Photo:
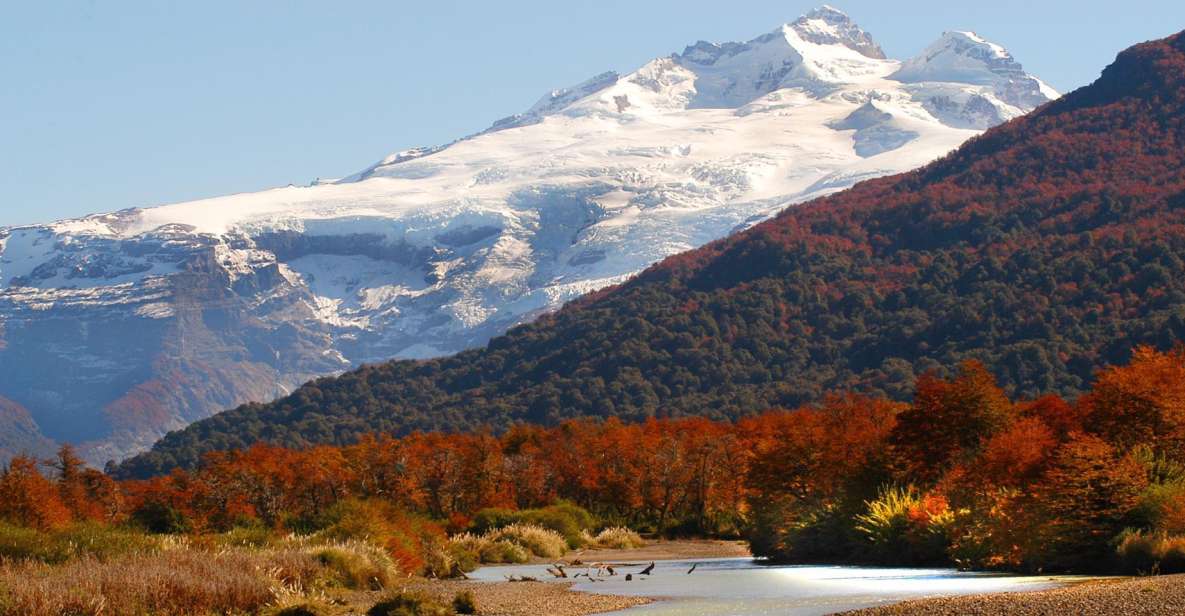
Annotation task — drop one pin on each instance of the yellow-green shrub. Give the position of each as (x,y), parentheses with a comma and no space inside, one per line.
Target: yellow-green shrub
(903,526)
(356,565)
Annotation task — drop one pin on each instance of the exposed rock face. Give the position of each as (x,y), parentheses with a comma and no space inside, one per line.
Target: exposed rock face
(117,328)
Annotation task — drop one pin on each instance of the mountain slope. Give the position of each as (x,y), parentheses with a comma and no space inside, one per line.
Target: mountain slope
(1047,247)
(118,327)
(19,434)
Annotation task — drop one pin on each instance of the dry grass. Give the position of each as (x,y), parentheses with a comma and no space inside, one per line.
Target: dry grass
(615,538)
(178,582)
(486,549)
(514,543)
(539,541)
(183,580)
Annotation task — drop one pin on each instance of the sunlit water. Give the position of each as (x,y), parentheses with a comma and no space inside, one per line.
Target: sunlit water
(741,587)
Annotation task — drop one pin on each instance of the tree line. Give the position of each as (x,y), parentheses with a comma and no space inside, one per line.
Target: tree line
(960,475)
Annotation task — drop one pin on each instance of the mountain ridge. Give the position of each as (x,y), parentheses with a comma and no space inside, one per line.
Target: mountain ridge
(120,327)
(1046,248)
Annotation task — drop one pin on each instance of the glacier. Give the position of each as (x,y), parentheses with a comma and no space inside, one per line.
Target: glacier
(116,328)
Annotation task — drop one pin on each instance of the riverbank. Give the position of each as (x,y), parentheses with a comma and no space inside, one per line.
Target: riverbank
(556,598)
(1130,596)
(526,598)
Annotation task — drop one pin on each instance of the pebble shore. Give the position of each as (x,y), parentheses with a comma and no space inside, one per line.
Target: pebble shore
(1128,597)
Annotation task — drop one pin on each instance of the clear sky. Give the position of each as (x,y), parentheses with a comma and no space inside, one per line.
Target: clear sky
(107,105)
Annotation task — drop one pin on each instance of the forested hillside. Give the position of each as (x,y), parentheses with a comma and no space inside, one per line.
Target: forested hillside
(1046,248)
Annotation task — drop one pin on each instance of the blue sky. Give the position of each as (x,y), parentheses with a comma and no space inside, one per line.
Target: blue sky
(108,105)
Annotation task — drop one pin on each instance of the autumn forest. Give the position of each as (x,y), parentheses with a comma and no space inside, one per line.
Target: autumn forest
(960,476)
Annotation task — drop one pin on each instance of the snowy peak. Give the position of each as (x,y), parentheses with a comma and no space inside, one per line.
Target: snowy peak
(828,25)
(814,36)
(822,26)
(815,53)
(434,250)
(965,57)
(960,56)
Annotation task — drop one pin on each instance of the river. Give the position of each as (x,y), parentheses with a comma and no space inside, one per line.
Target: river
(744,587)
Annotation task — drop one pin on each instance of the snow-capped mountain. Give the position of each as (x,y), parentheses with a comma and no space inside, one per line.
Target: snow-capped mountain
(115,328)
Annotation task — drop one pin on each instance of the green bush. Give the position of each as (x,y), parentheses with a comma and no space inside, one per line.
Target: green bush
(564,518)
(465,602)
(161,519)
(567,519)
(492,518)
(408,604)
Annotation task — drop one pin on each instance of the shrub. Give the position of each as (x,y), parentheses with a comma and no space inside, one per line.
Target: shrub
(492,518)
(160,518)
(465,602)
(569,520)
(1141,552)
(443,560)
(464,559)
(404,536)
(503,551)
(615,538)
(486,549)
(542,542)
(356,565)
(408,604)
(902,526)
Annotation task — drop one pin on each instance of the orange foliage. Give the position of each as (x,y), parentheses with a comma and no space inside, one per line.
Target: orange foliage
(948,421)
(28,498)
(811,452)
(1142,402)
(1014,456)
